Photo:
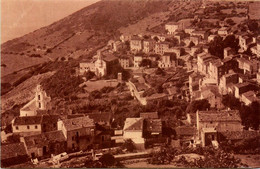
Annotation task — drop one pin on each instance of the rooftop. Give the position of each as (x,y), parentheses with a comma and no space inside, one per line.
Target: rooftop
(149,115)
(12,150)
(78,122)
(43,139)
(134,124)
(219,116)
(185,130)
(153,125)
(29,120)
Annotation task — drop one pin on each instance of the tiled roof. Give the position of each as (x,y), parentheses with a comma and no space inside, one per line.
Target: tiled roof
(50,119)
(31,106)
(28,120)
(149,115)
(185,130)
(172,23)
(109,57)
(134,124)
(43,139)
(221,116)
(239,135)
(239,85)
(12,150)
(153,125)
(100,117)
(77,123)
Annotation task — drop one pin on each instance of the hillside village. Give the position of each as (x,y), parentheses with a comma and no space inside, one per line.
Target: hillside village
(180,87)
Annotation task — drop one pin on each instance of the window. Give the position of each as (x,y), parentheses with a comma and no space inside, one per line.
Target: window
(39,97)
(17,128)
(28,127)
(36,127)
(39,105)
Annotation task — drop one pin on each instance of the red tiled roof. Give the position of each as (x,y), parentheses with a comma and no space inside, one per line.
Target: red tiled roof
(43,139)
(28,120)
(149,115)
(230,115)
(77,123)
(153,125)
(12,150)
(185,130)
(134,124)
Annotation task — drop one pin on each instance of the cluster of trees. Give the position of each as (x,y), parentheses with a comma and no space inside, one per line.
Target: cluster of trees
(216,47)
(198,105)
(105,161)
(63,84)
(213,158)
(245,146)
(249,114)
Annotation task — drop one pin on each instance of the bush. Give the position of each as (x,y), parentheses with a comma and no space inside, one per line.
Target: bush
(129,145)
(95,94)
(107,160)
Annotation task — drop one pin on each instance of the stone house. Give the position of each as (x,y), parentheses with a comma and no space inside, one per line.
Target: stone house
(161,47)
(45,144)
(241,88)
(79,132)
(30,125)
(186,135)
(166,61)
(249,97)
(136,44)
(124,62)
(203,62)
(212,95)
(226,80)
(208,123)
(148,45)
(244,42)
(137,61)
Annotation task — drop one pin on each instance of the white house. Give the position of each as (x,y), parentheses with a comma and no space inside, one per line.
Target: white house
(133,129)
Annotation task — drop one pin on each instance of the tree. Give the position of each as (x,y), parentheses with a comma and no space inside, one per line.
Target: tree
(107,160)
(232,42)
(156,38)
(216,47)
(146,63)
(89,75)
(253,26)
(164,156)
(129,145)
(230,21)
(198,105)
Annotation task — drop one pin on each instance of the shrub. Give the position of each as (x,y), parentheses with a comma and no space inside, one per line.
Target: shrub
(129,145)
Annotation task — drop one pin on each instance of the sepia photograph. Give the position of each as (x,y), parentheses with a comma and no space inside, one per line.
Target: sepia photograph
(130,83)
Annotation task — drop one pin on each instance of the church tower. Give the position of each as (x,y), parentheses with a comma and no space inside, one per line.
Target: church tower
(41,98)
